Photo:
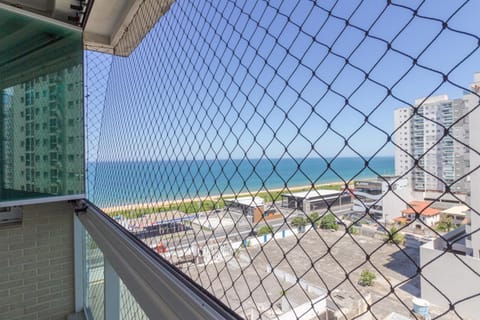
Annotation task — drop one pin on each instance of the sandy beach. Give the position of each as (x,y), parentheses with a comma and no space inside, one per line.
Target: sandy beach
(136,206)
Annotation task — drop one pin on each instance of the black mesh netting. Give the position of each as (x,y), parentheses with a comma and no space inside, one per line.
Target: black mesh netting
(300,159)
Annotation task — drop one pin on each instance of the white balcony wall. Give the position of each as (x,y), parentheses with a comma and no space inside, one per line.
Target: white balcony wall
(450,276)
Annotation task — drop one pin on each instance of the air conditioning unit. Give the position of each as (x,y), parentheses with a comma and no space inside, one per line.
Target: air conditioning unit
(11,215)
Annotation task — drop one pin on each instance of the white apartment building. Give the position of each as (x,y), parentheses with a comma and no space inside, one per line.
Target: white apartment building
(383,197)
(450,264)
(432,133)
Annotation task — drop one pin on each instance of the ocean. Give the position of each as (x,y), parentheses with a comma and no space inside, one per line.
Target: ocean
(131,182)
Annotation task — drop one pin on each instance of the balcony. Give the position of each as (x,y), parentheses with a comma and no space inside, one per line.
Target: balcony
(199,120)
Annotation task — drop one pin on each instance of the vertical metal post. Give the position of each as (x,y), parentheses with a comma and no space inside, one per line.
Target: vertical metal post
(79,263)
(112,292)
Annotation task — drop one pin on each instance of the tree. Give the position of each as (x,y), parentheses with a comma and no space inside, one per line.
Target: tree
(353,230)
(394,236)
(329,222)
(445,224)
(367,278)
(314,219)
(299,222)
(265,230)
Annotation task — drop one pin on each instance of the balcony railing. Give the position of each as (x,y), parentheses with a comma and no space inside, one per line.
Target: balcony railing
(122,278)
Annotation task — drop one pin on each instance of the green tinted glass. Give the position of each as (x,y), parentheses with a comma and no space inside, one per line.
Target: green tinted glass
(41,108)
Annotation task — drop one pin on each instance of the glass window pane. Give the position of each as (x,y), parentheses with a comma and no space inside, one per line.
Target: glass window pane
(41,68)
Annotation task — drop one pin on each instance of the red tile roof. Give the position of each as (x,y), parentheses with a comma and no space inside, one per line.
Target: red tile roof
(421,207)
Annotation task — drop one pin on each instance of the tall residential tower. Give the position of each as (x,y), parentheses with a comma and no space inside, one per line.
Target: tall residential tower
(430,139)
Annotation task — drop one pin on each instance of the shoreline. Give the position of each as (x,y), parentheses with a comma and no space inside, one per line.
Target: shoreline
(135,206)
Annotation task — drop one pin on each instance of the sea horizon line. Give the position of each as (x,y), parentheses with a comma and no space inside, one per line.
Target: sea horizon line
(369,158)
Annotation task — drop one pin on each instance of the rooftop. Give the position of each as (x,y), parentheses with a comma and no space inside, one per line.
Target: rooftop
(433,99)
(313,193)
(421,207)
(381,178)
(457,210)
(248,201)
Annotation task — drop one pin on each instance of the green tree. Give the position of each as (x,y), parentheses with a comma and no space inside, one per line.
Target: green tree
(314,219)
(394,236)
(367,278)
(299,222)
(446,224)
(265,230)
(353,230)
(328,222)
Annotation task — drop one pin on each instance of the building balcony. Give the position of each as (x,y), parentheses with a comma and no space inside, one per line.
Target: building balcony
(189,105)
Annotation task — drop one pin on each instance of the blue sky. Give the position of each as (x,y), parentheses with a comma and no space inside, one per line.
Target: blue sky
(250,78)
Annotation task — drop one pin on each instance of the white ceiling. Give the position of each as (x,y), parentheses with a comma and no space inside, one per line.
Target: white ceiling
(117,27)
(31,47)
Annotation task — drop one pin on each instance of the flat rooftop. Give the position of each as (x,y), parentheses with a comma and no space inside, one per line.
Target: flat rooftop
(313,193)
(247,201)
(457,210)
(388,178)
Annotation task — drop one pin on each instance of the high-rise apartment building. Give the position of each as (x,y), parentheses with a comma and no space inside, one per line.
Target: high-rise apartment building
(456,254)
(45,112)
(430,139)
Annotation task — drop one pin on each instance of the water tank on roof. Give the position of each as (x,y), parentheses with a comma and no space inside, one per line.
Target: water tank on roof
(421,307)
